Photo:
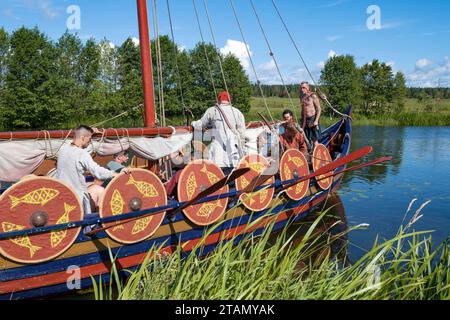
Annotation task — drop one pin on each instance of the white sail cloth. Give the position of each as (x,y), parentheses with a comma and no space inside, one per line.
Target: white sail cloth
(19,158)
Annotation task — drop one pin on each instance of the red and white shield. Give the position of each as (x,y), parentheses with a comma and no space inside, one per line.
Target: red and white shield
(260,200)
(38,202)
(196,177)
(321,157)
(136,191)
(294,165)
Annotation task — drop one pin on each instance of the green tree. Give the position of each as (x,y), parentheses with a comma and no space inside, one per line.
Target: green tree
(105,95)
(129,76)
(176,81)
(88,78)
(4,49)
(399,91)
(378,88)
(26,94)
(64,84)
(202,85)
(238,83)
(340,80)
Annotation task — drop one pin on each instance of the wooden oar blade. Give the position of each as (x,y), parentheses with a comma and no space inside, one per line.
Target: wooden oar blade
(215,187)
(257,182)
(333,165)
(343,161)
(220,184)
(368,164)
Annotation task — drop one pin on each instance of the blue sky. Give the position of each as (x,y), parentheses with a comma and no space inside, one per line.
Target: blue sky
(414,35)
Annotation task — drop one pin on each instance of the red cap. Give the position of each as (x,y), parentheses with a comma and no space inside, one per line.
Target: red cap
(224,96)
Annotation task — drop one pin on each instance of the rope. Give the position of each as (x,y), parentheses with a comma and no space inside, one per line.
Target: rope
(159,64)
(222,73)
(324,98)
(251,59)
(99,124)
(206,53)
(175,53)
(273,56)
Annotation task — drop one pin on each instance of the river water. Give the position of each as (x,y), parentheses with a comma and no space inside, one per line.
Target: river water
(380,195)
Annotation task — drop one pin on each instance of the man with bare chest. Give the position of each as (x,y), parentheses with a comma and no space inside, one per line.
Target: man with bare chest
(311,112)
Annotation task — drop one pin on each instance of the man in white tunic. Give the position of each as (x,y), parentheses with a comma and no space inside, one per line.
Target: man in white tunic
(74,161)
(227,133)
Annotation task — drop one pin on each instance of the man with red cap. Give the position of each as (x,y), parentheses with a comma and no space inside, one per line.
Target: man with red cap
(227,125)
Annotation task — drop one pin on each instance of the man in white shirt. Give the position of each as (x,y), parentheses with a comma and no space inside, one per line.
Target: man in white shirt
(74,161)
(227,133)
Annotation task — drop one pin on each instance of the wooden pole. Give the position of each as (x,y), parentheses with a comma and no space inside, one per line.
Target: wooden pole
(146,61)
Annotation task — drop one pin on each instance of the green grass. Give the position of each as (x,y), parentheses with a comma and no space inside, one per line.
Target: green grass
(403,267)
(413,115)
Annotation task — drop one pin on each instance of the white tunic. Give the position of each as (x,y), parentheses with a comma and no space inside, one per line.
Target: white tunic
(73,162)
(223,149)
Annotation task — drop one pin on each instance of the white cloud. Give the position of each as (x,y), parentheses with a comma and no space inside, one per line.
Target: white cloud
(333,4)
(320,65)
(423,63)
(46,7)
(237,48)
(10,13)
(135,41)
(182,48)
(333,38)
(429,74)
(331,54)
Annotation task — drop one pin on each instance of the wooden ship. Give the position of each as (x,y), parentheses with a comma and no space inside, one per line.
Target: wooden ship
(42,224)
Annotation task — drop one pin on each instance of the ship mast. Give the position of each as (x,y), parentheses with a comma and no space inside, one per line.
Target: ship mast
(146,62)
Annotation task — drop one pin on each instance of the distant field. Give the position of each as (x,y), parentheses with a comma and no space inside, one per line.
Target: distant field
(413,115)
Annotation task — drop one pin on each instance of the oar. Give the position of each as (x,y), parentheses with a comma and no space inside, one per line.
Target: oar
(213,188)
(333,165)
(367,164)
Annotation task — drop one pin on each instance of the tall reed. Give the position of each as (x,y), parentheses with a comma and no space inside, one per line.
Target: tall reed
(286,267)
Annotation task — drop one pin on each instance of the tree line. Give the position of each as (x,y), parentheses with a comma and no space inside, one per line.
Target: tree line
(371,89)
(47,84)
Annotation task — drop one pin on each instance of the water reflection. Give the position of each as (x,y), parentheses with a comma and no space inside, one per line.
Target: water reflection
(380,195)
(331,233)
(386,141)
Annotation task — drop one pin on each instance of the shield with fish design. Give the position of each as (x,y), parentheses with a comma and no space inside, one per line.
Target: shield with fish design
(321,157)
(38,202)
(136,191)
(196,177)
(259,200)
(294,165)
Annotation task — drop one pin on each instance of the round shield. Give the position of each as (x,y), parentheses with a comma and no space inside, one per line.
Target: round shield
(196,177)
(293,165)
(38,202)
(136,191)
(320,158)
(260,200)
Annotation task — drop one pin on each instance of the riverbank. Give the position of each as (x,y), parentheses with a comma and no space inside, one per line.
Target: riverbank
(290,267)
(414,114)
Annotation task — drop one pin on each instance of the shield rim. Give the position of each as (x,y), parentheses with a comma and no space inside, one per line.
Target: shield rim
(272,190)
(321,183)
(103,198)
(286,192)
(77,233)
(199,161)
